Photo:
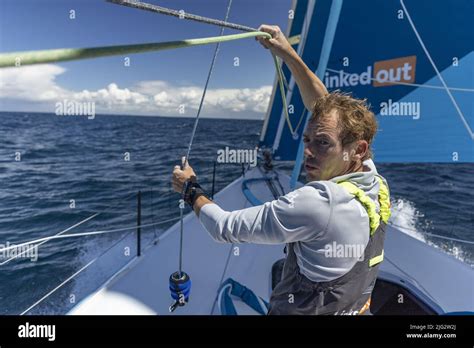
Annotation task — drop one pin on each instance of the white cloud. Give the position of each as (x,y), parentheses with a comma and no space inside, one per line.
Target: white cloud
(111,96)
(32,83)
(218,101)
(37,84)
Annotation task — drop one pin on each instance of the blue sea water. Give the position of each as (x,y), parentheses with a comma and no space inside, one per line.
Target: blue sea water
(56,171)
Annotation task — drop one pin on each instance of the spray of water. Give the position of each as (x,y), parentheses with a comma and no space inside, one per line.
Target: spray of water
(408,219)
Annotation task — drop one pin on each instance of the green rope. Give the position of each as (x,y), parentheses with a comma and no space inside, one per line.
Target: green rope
(18,59)
(66,54)
(282,93)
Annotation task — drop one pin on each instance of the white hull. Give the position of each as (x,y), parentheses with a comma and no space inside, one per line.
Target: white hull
(441,282)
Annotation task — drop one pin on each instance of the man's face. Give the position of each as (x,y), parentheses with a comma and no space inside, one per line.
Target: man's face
(324,154)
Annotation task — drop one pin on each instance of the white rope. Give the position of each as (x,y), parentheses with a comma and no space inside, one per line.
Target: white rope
(456,106)
(57,234)
(186,159)
(209,74)
(84,234)
(59,286)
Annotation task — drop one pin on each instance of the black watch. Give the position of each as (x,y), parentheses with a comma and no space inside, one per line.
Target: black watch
(192,191)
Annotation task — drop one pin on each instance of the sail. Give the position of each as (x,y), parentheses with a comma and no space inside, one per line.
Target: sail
(415,69)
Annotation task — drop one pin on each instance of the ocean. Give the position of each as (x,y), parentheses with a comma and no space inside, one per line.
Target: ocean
(57,171)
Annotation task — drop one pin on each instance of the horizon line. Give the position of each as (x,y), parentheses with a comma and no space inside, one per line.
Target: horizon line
(137,115)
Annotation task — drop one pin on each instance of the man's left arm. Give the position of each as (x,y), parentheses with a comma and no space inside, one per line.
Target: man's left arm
(297,216)
(201,201)
(300,215)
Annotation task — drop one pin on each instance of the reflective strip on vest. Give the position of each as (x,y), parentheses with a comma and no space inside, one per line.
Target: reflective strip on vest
(384,201)
(369,205)
(376,260)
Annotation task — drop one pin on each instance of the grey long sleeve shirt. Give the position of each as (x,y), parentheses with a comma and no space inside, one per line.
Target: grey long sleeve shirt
(321,217)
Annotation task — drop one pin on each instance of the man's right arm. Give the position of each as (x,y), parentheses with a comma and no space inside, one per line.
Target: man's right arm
(310,86)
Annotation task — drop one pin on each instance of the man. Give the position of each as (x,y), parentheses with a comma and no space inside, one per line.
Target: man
(334,226)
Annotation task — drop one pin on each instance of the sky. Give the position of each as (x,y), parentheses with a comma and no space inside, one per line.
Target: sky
(154,84)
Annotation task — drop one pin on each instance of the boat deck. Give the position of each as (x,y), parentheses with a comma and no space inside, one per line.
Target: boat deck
(439,281)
